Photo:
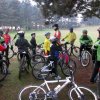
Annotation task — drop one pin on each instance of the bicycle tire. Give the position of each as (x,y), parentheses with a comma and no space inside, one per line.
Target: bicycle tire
(36,71)
(75,52)
(84,96)
(36,94)
(85,58)
(37,58)
(10,53)
(3,70)
(67,68)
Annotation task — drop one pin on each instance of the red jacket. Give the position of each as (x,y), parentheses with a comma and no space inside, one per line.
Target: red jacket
(2,48)
(57,34)
(7,38)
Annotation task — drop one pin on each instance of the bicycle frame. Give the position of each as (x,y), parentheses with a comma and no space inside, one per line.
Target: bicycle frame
(44,69)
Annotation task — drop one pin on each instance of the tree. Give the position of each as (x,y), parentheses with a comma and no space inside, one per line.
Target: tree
(87,8)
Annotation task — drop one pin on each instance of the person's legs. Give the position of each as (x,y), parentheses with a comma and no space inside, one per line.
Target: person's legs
(95,71)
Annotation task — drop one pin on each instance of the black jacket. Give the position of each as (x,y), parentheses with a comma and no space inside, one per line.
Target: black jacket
(33,43)
(22,45)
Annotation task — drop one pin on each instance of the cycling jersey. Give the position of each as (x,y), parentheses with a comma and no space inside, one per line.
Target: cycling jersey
(70,37)
(86,40)
(47,45)
(57,34)
(97,46)
(7,38)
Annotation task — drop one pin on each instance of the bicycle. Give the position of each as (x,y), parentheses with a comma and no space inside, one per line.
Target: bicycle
(3,68)
(44,69)
(44,92)
(72,50)
(85,56)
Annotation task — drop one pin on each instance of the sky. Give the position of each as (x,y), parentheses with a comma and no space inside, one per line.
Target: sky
(32,2)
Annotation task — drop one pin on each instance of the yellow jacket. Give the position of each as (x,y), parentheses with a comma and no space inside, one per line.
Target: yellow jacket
(70,37)
(46,45)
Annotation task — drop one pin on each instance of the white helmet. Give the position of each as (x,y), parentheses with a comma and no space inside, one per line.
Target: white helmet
(53,39)
(21,32)
(47,33)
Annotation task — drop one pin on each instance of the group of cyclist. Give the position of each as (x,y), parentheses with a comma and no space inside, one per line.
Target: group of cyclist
(52,46)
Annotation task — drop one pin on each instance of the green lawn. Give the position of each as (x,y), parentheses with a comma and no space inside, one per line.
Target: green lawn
(12,84)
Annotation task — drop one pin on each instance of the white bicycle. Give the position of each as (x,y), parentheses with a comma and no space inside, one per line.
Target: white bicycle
(44,92)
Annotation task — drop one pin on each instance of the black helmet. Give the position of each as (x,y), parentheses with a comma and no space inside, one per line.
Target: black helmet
(71,29)
(55,25)
(32,34)
(21,33)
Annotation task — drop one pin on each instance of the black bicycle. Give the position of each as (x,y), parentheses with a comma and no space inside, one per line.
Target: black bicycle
(3,68)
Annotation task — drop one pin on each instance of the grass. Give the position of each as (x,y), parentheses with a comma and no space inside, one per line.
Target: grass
(12,84)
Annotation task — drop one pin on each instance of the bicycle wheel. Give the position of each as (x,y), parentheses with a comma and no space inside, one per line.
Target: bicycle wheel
(3,70)
(10,53)
(75,51)
(82,93)
(39,71)
(37,58)
(85,58)
(32,93)
(66,68)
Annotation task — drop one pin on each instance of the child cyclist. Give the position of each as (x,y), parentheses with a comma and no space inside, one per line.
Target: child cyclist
(23,45)
(47,44)
(97,59)
(85,40)
(54,52)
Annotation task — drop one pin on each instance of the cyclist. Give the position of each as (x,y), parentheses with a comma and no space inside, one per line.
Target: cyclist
(70,37)
(33,43)
(47,43)
(54,52)
(97,61)
(85,40)
(23,46)
(57,33)
(7,39)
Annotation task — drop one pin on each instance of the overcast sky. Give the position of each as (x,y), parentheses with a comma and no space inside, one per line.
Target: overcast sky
(32,2)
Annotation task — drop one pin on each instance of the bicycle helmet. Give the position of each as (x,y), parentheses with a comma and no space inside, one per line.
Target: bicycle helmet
(55,25)
(21,33)
(71,29)
(32,34)
(48,33)
(84,31)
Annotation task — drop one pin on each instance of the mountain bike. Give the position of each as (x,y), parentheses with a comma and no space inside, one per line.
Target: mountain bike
(72,49)
(44,69)
(44,91)
(3,68)
(85,56)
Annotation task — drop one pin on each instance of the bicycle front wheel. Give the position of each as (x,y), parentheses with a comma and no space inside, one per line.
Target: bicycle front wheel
(66,68)
(82,93)
(39,71)
(32,93)
(3,70)
(85,58)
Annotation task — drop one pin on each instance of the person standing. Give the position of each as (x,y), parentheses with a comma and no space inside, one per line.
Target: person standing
(57,33)
(33,43)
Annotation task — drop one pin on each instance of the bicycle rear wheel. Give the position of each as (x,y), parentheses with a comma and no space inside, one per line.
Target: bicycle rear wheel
(3,70)
(10,53)
(85,58)
(32,93)
(38,72)
(67,68)
(82,93)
